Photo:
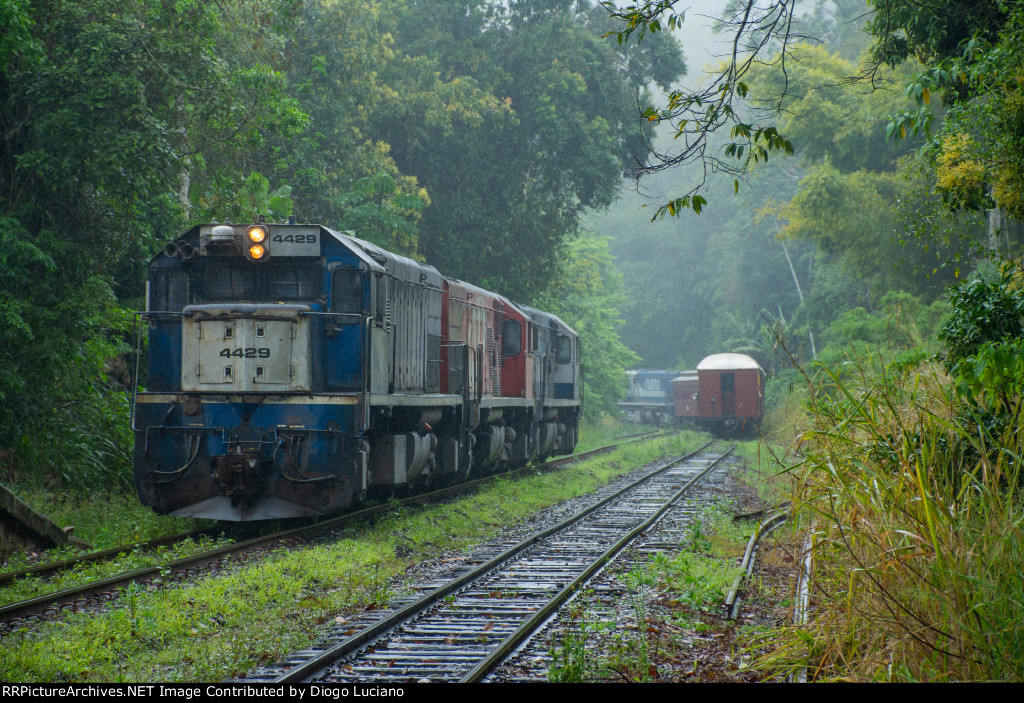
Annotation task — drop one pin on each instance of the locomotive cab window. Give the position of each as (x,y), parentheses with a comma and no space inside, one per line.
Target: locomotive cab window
(511,338)
(227,282)
(221,281)
(347,295)
(293,281)
(563,352)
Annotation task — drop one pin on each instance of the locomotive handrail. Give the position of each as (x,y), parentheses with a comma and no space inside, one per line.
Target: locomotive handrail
(479,372)
(464,391)
(135,377)
(326,313)
(368,326)
(543,386)
(139,315)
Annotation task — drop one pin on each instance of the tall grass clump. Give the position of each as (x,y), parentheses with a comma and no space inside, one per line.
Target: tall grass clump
(911,485)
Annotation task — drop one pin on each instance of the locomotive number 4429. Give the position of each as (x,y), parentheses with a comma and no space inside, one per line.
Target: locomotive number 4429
(246,353)
(295,238)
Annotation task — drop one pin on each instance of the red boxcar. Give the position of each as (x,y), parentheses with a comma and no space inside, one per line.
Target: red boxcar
(730,393)
(684,393)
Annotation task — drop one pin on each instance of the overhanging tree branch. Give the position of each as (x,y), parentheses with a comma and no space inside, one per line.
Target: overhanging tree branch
(762,34)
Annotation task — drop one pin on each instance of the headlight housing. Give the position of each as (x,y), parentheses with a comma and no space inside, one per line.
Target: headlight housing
(257,249)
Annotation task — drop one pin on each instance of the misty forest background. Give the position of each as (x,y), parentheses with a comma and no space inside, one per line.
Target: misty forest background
(494,141)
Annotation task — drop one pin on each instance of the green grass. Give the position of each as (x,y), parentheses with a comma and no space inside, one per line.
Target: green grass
(700,577)
(32,587)
(112,519)
(255,613)
(693,583)
(766,468)
(919,535)
(606,431)
(104,520)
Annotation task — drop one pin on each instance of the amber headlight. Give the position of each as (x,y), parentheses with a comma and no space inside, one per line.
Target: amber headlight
(256,251)
(257,235)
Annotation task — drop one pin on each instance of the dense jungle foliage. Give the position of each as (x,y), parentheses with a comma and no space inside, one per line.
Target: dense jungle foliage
(839,193)
(880,262)
(822,246)
(468,134)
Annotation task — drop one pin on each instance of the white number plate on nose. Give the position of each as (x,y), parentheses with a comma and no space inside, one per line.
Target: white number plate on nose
(294,241)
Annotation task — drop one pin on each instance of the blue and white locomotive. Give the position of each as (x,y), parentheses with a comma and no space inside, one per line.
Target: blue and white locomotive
(649,399)
(293,368)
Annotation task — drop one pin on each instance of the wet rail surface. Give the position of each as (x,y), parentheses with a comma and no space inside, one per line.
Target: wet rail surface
(105,590)
(463,628)
(608,591)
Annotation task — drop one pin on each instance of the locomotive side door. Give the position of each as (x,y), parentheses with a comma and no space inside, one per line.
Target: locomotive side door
(345,329)
(381,344)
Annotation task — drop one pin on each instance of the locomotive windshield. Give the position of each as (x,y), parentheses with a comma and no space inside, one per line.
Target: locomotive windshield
(293,281)
(563,352)
(169,291)
(214,281)
(227,283)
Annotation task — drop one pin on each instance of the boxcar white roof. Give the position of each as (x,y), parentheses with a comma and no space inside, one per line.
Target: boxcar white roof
(727,362)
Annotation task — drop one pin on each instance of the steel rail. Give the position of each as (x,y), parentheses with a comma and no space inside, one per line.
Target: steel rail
(76,597)
(770,524)
(53,567)
(802,609)
(50,568)
(533,623)
(318,663)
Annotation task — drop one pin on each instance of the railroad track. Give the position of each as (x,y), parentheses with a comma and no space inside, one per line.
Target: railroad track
(460,630)
(104,590)
(50,569)
(610,594)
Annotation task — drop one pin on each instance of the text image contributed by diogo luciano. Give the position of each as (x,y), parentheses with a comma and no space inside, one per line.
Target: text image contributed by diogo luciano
(191,692)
